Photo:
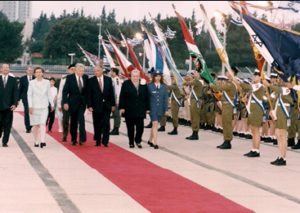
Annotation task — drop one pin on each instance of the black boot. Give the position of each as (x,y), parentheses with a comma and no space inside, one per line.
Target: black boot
(291,142)
(174,131)
(201,126)
(194,136)
(161,129)
(149,125)
(297,146)
(188,123)
(275,142)
(226,145)
(184,122)
(115,131)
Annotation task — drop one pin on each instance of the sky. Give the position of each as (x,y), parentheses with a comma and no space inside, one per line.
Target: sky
(131,10)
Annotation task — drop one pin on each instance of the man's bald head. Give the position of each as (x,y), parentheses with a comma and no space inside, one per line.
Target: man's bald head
(98,71)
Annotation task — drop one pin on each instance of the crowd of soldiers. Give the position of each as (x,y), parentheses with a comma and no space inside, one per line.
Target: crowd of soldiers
(237,107)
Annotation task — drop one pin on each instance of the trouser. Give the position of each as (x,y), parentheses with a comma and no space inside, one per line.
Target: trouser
(117,118)
(26,114)
(138,124)
(195,115)
(227,113)
(203,116)
(163,121)
(101,126)
(211,116)
(78,117)
(50,119)
(292,128)
(174,112)
(187,110)
(6,119)
(66,120)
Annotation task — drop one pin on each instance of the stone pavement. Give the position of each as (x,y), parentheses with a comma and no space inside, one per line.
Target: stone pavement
(54,179)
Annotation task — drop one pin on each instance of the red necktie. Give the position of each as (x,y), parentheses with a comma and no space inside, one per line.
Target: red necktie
(100,84)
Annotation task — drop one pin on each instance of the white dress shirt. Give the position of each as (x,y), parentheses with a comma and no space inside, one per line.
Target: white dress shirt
(157,85)
(28,77)
(77,77)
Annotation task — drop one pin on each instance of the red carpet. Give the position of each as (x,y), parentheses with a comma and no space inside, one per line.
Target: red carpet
(155,188)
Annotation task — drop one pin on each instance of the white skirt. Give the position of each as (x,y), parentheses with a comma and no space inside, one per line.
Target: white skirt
(39,116)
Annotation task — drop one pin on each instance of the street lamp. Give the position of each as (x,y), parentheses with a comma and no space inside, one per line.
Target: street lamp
(100,38)
(84,59)
(71,54)
(219,15)
(140,37)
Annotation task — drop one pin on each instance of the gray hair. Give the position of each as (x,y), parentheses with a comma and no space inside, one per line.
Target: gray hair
(135,72)
(79,65)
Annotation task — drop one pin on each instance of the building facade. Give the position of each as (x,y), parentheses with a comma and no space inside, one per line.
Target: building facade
(16,10)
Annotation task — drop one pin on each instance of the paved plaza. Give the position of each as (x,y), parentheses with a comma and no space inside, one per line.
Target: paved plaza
(62,178)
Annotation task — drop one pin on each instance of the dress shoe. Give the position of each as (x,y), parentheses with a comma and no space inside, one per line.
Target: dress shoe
(42,144)
(155,146)
(275,161)
(275,142)
(253,154)
(194,136)
(184,122)
(81,143)
(247,154)
(73,143)
(188,123)
(201,126)
(64,139)
(115,131)
(291,142)
(248,137)
(221,145)
(50,131)
(226,145)
(241,135)
(161,129)
(208,127)
(131,146)
(149,125)
(36,145)
(235,133)
(139,145)
(98,143)
(4,145)
(105,145)
(150,144)
(268,140)
(28,131)
(174,131)
(297,146)
(280,162)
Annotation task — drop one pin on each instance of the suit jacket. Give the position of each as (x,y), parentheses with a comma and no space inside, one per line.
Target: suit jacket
(23,87)
(71,93)
(135,103)
(96,99)
(9,94)
(39,94)
(158,99)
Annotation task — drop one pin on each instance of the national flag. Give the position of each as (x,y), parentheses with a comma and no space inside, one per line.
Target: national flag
(135,60)
(167,54)
(195,54)
(108,55)
(126,66)
(169,33)
(236,19)
(290,5)
(280,47)
(94,60)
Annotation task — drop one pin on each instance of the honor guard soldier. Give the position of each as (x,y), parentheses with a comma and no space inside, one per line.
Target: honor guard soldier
(228,100)
(195,98)
(175,105)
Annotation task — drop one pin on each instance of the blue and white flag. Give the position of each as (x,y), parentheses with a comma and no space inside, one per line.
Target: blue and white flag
(236,19)
(169,33)
(290,5)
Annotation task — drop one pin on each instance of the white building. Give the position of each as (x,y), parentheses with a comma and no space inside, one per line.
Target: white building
(16,10)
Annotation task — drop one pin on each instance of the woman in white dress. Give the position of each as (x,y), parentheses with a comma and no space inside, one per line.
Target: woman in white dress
(39,97)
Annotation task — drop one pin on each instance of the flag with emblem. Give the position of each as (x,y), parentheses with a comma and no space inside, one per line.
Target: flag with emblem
(94,60)
(108,55)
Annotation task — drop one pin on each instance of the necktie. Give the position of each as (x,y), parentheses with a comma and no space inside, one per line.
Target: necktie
(79,84)
(4,82)
(30,78)
(100,84)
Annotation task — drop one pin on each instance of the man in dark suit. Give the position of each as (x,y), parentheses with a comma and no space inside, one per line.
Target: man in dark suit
(23,88)
(101,102)
(74,101)
(8,101)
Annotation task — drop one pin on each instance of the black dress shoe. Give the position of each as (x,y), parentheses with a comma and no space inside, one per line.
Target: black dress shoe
(248,137)
(253,154)
(105,145)
(161,129)
(235,133)
(280,162)
(131,146)
(73,143)
(115,131)
(291,142)
(98,143)
(28,131)
(241,135)
(247,154)
(4,145)
(150,144)
(81,143)
(36,145)
(139,145)
(64,139)
(149,125)
(297,146)
(220,145)
(188,123)
(155,147)
(226,145)
(275,161)
(49,131)
(275,142)
(268,140)
(42,144)
(174,131)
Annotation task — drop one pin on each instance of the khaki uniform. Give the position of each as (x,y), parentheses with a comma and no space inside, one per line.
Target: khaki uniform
(211,116)
(174,105)
(227,108)
(186,109)
(203,110)
(281,122)
(194,107)
(256,113)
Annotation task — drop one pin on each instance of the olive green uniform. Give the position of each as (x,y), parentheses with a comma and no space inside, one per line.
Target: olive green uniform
(194,107)
(203,110)
(211,116)
(227,108)
(256,113)
(281,122)
(174,105)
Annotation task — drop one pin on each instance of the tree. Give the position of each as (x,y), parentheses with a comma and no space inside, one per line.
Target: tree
(40,27)
(36,47)
(103,12)
(296,28)
(64,36)
(10,39)
(158,17)
(193,15)
(111,18)
(2,15)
